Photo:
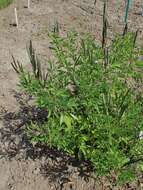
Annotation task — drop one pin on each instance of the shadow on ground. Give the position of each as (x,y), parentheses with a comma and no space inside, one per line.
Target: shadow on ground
(58,167)
(14,143)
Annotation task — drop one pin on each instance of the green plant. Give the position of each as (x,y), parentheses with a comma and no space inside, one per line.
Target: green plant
(4,3)
(94,99)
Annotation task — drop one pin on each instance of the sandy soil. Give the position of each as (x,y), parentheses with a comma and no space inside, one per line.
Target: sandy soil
(23,171)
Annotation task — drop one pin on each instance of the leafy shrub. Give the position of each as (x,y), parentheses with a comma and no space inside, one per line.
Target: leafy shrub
(4,3)
(94,99)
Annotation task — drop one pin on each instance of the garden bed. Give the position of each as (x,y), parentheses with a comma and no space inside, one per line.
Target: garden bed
(25,171)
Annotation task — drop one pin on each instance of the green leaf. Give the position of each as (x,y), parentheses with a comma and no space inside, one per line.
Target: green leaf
(126,176)
(66,119)
(139,64)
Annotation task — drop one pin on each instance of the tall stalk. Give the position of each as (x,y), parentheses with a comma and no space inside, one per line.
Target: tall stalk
(104,31)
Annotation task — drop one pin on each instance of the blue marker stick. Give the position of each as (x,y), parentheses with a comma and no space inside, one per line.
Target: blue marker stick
(127,10)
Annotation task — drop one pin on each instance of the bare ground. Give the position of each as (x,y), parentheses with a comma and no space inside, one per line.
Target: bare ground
(21,166)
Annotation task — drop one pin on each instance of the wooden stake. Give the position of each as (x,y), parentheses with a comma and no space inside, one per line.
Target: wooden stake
(28,4)
(142,8)
(16,18)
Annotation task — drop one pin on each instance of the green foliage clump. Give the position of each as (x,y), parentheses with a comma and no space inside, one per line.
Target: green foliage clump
(95,102)
(4,3)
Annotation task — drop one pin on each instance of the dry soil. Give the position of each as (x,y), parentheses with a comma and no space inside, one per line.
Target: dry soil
(21,166)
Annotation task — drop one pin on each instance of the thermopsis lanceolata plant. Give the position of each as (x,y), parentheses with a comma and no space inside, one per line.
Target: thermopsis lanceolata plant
(94,99)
